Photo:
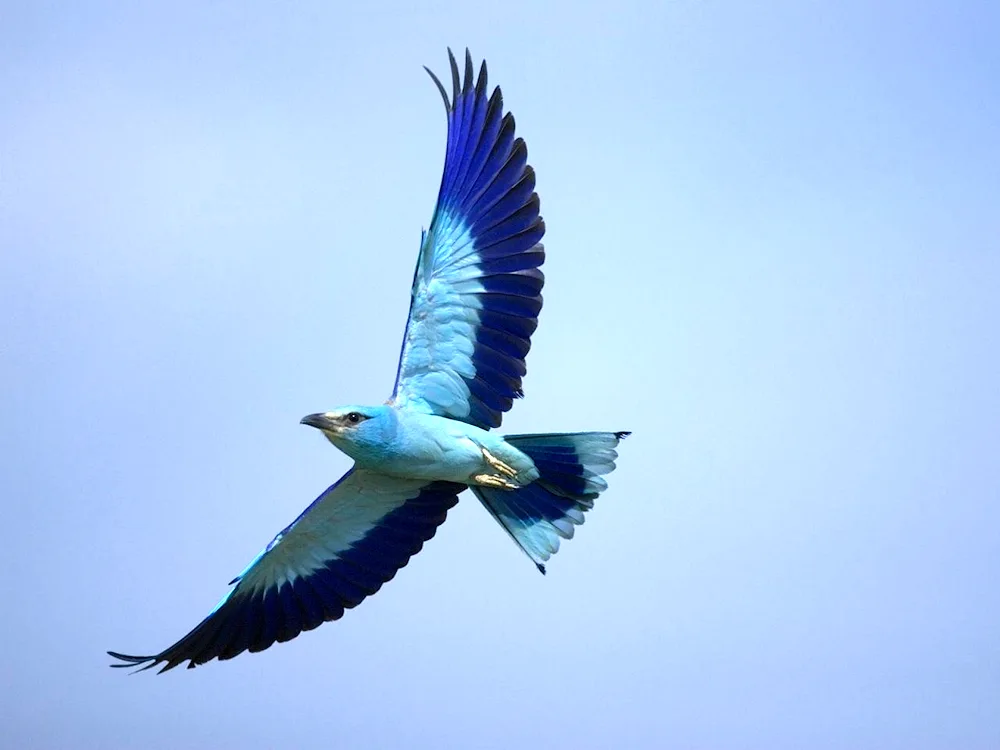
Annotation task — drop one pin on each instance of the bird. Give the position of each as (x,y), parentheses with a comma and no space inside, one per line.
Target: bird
(474,304)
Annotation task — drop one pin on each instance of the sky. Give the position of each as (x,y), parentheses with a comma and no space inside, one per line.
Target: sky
(772,254)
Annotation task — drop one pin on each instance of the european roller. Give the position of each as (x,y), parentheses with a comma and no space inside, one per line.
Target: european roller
(474,304)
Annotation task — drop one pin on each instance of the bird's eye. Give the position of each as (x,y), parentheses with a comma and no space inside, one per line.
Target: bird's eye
(353,417)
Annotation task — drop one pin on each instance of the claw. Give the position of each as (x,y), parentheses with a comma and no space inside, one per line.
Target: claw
(497,464)
(492,480)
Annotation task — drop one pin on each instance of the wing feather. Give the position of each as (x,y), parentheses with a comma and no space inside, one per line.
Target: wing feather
(477,287)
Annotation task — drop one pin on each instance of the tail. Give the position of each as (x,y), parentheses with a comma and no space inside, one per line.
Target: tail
(570,466)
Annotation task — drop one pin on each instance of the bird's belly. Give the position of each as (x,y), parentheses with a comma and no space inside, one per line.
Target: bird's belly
(441,457)
(438,448)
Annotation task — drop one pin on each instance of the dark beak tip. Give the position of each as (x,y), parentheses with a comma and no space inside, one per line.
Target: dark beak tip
(313,420)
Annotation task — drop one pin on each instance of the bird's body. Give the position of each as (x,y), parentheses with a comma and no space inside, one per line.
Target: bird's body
(474,304)
(408,444)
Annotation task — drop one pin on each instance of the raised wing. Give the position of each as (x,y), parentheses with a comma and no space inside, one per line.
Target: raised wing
(342,548)
(477,287)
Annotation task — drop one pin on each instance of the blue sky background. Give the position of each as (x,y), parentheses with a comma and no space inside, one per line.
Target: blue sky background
(773,237)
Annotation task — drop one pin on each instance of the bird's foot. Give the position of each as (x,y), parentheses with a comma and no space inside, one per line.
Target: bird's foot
(494,480)
(497,464)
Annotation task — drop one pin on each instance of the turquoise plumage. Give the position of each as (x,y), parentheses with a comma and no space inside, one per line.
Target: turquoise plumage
(474,304)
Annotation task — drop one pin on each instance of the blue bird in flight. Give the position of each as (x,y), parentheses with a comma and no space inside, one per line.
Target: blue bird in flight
(474,304)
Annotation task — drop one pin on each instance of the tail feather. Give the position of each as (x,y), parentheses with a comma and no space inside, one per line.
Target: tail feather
(571,468)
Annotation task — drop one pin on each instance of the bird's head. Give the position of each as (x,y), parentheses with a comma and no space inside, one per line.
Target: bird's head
(362,432)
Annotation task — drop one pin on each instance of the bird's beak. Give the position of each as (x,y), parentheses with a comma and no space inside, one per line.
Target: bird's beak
(320,422)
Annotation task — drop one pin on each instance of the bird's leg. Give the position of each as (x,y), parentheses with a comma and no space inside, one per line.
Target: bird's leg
(504,473)
(492,480)
(497,464)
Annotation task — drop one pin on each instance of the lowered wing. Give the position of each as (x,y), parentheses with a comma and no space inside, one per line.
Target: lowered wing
(341,549)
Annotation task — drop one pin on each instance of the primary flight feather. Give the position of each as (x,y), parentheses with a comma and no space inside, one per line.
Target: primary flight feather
(474,304)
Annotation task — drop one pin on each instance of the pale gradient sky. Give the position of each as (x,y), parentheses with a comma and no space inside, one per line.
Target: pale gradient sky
(773,254)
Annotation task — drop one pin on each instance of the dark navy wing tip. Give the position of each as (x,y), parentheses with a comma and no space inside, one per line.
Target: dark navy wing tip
(482,80)
(467,83)
(623,434)
(541,569)
(128,658)
(441,89)
(460,84)
(455,83)
(141,662)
